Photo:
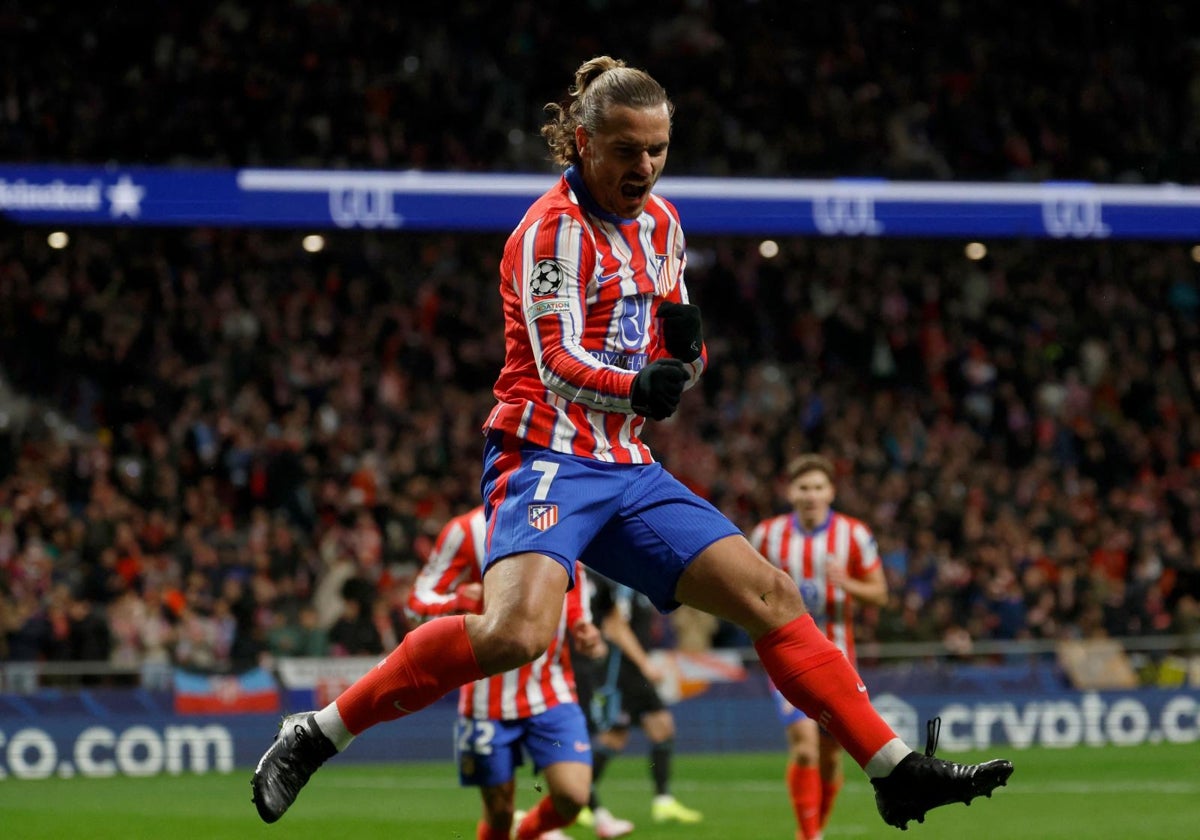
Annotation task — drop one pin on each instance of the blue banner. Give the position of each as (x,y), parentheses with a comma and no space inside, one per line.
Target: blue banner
(376,200)
(137,734)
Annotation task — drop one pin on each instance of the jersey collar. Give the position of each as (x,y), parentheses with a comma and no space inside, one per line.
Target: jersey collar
(575,180)
(800,527)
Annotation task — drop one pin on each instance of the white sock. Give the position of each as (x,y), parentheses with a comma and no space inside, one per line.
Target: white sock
(885,761)
(329,721)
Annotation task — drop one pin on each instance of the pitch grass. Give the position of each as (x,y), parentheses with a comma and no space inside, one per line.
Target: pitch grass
(1130,793)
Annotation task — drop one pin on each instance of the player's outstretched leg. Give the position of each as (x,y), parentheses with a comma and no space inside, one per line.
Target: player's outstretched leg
(431,660)
(920,783)
(297,751)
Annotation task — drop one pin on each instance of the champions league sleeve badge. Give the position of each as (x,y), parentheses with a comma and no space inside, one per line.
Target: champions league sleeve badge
(546,278)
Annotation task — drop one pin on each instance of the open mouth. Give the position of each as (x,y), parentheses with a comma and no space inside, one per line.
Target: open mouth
(634,192)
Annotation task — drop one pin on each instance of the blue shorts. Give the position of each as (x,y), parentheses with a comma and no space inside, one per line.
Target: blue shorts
(633,523)
(488,752)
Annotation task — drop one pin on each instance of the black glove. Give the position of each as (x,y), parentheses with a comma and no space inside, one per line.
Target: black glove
(683,335)
(658,387)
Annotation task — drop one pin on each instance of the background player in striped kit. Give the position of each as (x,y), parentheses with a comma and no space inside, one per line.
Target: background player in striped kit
(533,708)
(834,562)
(599,336)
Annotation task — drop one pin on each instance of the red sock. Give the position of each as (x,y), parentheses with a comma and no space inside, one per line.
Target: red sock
(804,786)
(815,677)
(483,831)
(829,792)
(541,819)
(432,660)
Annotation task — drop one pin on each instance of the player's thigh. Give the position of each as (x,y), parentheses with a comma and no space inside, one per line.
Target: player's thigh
(658,725)
(523,602)
(730,580)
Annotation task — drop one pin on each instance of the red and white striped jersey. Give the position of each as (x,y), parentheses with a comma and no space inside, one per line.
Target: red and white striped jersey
(457,559)
(580,288)
(807,555)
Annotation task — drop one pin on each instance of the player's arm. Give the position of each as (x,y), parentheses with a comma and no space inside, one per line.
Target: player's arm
(862,577)
(449,582)
(617,630)
(871,588)
(585,635)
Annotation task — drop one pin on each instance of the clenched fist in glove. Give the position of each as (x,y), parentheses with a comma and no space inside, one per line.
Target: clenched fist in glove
(683,334)
(658,387)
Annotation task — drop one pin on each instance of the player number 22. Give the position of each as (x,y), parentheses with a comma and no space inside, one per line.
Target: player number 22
(476,736)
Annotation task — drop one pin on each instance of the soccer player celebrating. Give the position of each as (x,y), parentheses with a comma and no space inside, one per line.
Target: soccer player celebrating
(600,336)
(534,707)
(834,562)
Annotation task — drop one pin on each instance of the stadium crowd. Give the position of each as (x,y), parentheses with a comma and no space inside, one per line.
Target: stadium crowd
(215,447)
(238,449)
(901,88)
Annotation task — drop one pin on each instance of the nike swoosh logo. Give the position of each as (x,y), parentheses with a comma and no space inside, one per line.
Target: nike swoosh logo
(861,688)
(405,711)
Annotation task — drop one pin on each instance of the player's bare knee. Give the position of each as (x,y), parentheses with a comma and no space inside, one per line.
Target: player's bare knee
(570,801)
(781,599)
(659,726)
(518,645)
(501,645)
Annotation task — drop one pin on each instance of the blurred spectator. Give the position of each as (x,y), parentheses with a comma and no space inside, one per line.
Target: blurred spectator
(297,634)
(354,633)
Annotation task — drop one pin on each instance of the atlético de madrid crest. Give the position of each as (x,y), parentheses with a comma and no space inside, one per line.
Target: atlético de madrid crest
(543,517)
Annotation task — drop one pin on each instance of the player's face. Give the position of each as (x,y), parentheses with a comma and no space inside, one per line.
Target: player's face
(811,495)
(622,161)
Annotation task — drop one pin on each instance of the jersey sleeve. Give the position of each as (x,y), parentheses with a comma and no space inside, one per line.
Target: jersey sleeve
(760,541)
(577,605)
(452,563)
(677,293)
(864,551)
(550,273)
(758,538)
